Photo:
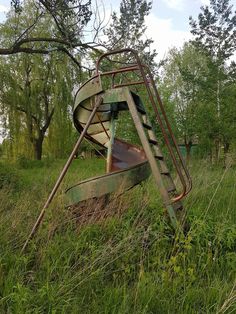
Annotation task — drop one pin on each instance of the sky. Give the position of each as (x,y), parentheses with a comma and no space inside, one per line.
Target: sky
(167,24)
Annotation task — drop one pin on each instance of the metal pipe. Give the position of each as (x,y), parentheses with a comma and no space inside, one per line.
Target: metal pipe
(111,142)
(62,174)
(141,68)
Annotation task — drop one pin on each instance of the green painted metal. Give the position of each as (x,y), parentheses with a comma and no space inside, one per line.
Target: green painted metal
(94,112)
(118,182)
(102,131)
(89,89)
(126,163)
(111,142)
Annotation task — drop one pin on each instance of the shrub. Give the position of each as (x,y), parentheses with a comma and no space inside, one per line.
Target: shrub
(24,163)
(9,177)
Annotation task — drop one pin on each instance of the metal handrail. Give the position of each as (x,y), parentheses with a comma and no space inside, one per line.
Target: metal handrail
(184,176)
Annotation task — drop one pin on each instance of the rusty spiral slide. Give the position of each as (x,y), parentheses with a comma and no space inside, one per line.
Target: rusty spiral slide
(127,164)
(98,103)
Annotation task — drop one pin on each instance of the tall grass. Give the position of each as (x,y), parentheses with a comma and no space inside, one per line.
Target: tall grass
(125,257)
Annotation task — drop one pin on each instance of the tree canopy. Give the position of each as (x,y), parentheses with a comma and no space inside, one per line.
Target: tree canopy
(45,55)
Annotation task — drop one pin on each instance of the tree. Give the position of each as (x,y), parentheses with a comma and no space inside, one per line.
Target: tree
(215,30)
(183,77)
(33,88)
(68,19)
(127,29)
(215,33)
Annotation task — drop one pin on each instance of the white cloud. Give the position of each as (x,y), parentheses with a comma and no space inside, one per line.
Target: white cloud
(164,35)
(205,2)
(3,8)
(175,4)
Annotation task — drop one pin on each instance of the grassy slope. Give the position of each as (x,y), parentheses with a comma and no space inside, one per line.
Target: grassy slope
(129,262)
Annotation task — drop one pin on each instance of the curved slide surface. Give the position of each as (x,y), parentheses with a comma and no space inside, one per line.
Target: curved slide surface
(127,165)
(95,111)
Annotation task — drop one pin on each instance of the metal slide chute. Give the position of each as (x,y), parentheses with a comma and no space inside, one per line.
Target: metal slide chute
(125,159)
(115,86)
(127,164)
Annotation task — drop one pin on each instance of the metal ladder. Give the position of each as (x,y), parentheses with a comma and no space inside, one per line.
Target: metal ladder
(156,160)
(171,197)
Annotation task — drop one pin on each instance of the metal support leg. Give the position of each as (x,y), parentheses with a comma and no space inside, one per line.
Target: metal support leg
(111,142)
(151,158)
(62,174)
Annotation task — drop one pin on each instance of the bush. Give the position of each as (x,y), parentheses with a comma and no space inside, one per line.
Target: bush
(9,177)
(24,163)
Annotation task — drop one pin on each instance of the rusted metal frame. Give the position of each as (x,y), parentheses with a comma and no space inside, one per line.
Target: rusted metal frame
(125,69)
(170,131)
(141,69)
(182,179)
(125,84)
(104,129)
(62,174)
(158,152)
(152,161)
(128,84)
(168,126)
(111,142)
(121,70)
(109,53)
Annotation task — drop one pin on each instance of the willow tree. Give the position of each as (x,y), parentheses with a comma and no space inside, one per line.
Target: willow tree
(67,21)
(32,84)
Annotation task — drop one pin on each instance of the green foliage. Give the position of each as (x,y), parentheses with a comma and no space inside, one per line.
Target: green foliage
(36,94)
(69,16)
(214,35)
(215,29)
(131,262)
(9,177)
(24,163)
(127,29)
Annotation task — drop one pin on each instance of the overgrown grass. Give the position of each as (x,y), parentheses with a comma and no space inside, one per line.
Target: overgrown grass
(127,261)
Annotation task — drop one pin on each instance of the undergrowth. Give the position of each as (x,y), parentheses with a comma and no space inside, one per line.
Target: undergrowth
(127,260)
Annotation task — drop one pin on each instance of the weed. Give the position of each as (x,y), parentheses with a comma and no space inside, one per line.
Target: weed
(121,257)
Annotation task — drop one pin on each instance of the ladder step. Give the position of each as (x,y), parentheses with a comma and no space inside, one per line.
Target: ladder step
(163,168)
(151,141)
(165,172)
(160,157)
(147,126)
(140,110)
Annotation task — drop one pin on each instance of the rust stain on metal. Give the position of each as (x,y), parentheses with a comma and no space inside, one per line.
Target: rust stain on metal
(95,109)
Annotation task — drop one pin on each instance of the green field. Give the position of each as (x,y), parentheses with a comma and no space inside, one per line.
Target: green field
(123,260)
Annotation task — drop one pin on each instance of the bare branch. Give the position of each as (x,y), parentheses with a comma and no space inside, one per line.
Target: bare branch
(17,47)
(27,30)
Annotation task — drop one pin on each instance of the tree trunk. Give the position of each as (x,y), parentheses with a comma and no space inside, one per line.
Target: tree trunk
(217,150)
(188,147)
(188,151)
(38,147)
(227,160)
